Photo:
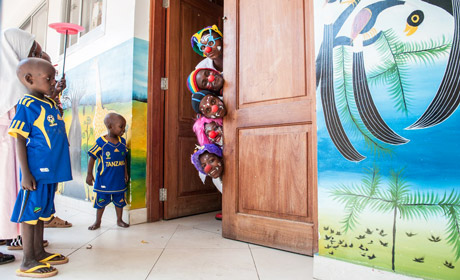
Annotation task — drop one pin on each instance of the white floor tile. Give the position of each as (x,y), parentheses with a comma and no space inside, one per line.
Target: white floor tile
(204,264)
(184,248)
(133,238)
(109,264)
(273,264)
(189,237)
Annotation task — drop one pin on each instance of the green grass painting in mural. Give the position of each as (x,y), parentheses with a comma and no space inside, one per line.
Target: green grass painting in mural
(138,189)
(374,249)
(395,242)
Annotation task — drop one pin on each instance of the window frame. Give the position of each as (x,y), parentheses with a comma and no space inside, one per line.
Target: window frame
(29,21)
(87,38)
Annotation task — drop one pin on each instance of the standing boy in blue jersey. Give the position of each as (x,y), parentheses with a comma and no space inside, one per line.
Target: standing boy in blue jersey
(43,152)
(112,173)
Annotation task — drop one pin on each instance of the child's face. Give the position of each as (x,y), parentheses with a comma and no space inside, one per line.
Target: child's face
(214,133)
(43,80)
(117,127)
(212,107)
(215,45)
(211,164)
(210,80)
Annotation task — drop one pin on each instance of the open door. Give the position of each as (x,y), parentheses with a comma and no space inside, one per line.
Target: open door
(186,194)
(269,186)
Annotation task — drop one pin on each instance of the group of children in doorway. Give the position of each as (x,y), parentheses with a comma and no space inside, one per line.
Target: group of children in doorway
(43,153)
(206,83)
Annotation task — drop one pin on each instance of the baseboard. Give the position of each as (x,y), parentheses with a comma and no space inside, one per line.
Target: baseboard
(137,216)
(325,268)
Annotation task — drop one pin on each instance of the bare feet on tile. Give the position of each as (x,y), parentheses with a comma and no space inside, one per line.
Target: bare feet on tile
(120,223)
(94,226)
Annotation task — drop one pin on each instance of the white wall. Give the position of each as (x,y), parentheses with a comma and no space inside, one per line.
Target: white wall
(124,20)
(141,19)
(14,12)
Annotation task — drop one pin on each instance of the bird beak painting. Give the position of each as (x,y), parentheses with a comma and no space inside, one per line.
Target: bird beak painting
(410,29)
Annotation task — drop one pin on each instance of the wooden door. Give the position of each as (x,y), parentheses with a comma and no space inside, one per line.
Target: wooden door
(186,194)
(269,186)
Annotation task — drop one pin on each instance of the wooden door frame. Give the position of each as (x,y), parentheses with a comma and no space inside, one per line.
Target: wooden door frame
(155,111)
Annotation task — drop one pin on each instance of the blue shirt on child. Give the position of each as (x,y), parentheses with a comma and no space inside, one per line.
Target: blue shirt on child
(110,175)
(39,121)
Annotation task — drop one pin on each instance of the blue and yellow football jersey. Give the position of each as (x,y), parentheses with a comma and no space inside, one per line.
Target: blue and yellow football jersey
(110,175)
(39,121)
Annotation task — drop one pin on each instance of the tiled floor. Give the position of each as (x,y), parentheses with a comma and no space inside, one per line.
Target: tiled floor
(186,248)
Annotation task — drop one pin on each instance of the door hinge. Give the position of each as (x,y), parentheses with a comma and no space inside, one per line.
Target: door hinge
(165,4)
(164,83)
(163,194)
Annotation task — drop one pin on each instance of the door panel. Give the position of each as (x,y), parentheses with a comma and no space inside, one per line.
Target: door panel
(278,186)
(268,37)
(186,193)
(269,193)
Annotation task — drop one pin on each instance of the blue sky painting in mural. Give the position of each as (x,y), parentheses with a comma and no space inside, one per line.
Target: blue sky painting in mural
(112,70)
(431,158)
(141,58)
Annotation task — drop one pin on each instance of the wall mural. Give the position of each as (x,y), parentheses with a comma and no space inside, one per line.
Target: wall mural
(388,89)
(109,82)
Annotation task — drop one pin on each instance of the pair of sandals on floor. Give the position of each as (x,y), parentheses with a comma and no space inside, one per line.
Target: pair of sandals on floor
(45,269)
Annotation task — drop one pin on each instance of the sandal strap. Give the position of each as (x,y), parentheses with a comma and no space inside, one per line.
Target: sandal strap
(51,257)
(35,268)
(16,242)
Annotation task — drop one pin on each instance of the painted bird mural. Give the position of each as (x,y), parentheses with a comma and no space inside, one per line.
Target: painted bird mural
(363,33)
(447,97)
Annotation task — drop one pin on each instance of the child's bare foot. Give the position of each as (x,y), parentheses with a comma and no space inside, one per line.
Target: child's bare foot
(94,226)
(122,224)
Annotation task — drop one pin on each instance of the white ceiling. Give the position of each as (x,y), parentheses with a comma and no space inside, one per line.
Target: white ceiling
(14,12)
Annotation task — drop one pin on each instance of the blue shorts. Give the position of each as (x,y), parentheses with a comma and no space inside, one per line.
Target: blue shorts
(32,206)
(104,199)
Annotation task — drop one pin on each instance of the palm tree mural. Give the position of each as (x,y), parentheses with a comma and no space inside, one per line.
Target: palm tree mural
(399,201)
(391,70)
(395,56)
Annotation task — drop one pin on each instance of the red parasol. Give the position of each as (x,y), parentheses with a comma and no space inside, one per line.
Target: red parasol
(67,29)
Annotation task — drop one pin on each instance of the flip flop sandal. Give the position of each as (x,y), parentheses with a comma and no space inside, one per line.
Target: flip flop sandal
(16,244)
(50,261)
(31,272)
(6,259)
(57,222)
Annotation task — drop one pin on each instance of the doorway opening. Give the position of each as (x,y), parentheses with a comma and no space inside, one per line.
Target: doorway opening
(171,139)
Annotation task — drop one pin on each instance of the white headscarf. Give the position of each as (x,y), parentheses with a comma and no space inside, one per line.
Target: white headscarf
(15,46)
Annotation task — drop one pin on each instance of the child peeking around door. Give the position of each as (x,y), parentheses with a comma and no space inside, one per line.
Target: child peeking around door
(205,78)
(208,104)
(112,173)
(207,159)
(208,43)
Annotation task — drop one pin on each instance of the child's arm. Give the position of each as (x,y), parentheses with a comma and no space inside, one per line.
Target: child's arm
(28,181)
(89,175)
(126,171)
(60,86)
